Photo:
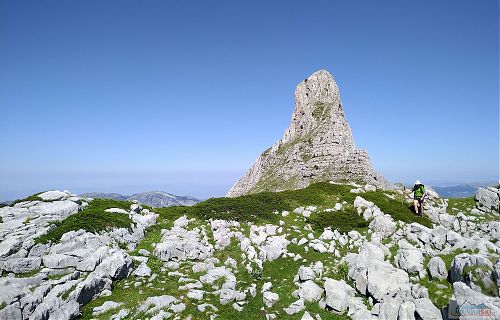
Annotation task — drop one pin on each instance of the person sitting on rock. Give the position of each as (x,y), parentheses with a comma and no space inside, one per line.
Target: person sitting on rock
(418,197)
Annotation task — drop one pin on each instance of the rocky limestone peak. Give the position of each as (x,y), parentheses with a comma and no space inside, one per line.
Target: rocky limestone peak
(317,146)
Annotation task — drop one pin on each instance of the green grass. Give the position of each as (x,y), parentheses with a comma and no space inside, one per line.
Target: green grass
(57,276)
(91,219)
(28,274)
(439,296)
(462,204)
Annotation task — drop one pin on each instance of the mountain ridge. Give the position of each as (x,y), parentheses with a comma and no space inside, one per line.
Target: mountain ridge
(155,199)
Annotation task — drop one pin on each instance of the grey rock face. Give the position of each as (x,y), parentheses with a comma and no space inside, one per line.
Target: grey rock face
(21,265)
(488,200)
(383,225)
(426,310)
(54,195)
(410,260)
(90,288)
(318,145)
(406,311)
(465,295)
(9,245)
(310,291)
(117,265)
(437,268)
(379,287)
(178,243)
(60,261)
(338,295)
(270,298)
(461,261)
(295,307)
(142,271)
(370,274)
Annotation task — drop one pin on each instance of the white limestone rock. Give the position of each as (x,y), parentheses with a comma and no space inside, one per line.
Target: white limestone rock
(270,298)
(53,195)
(383,225)
(142,271)
(437,268)
(426,310)
(20,265)
(338,295)
(105,307)
(410,260)
(309,291)
(295,307)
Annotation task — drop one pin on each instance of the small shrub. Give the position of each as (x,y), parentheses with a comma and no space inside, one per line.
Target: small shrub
(256,274)
(92,219)
(342,271)
(344,220)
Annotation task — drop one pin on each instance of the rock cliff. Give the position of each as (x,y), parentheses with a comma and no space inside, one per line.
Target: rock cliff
(318,145)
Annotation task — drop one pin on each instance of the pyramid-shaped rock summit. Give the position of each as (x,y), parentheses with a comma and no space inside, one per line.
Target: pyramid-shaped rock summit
(318,145)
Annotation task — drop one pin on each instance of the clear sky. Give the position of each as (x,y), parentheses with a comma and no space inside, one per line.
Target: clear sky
(182,96)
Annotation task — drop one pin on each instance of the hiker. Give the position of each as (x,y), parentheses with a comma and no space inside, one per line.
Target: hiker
(418,196)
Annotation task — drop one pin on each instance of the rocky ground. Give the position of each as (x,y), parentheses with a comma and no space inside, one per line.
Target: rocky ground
(171,265)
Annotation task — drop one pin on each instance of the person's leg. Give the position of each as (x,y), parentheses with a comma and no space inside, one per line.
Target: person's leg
(415,205)
(421,207)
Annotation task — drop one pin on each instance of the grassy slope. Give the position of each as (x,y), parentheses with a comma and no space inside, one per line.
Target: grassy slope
(257,207)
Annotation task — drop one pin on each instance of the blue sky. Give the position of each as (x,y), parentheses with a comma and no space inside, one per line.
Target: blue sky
(182,96)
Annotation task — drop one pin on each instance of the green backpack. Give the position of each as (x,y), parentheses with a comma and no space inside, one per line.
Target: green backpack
(418,191)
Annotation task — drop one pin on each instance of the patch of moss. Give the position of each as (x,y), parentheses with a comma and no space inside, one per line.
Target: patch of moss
(319,110)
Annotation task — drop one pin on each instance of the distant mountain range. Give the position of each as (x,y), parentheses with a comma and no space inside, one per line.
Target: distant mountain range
(460,190)
(156,199)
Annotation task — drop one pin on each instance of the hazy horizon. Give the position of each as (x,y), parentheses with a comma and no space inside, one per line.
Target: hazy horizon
(191,184)
(183,96)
